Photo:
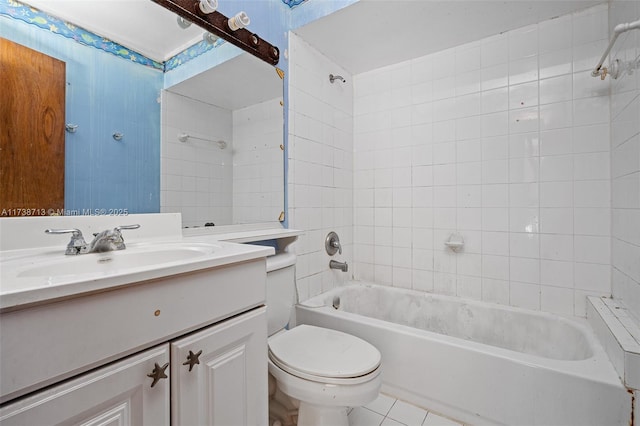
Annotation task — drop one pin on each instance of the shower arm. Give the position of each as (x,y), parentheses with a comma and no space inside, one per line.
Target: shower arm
(333,78)
(619,29)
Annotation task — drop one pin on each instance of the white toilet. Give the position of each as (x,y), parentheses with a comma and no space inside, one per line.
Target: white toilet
(325,370)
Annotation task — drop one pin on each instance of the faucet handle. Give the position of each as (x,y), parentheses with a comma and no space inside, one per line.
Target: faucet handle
(119,241)
(64,231)
(118,228)
(77,243)
(336,244)
(332,244)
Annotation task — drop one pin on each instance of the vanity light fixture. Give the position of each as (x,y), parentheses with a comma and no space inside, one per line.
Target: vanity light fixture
(208,6)
(230,29)
(210,38)
(183,23)
(241,20)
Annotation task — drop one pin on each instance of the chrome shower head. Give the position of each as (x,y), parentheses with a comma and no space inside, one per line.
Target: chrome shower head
(333,78)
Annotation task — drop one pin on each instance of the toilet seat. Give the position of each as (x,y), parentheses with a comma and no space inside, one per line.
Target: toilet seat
(324,355)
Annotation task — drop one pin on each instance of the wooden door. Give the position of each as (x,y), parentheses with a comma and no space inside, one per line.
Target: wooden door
(32,105)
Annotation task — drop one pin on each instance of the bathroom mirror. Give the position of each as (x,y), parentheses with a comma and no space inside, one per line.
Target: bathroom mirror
(174,154)
(222,145)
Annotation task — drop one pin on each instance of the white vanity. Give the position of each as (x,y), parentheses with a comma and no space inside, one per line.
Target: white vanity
(171,330)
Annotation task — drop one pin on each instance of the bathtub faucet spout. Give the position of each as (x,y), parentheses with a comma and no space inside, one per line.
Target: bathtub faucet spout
(338,265)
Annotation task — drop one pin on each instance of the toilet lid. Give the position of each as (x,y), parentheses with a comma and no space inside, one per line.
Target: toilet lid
(323,352)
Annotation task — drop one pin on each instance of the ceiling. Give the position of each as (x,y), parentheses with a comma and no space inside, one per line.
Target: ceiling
(254,81)
(366,35)
(374,33)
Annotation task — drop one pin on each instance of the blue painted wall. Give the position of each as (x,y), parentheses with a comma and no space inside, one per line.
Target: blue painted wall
(105,94)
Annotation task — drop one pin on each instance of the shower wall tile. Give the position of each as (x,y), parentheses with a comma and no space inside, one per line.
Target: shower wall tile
(625,165)
(194,170)
(322,172)
(257,172)
(506,141)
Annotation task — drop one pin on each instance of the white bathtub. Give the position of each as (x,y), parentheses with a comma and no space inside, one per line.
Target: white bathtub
(477,362)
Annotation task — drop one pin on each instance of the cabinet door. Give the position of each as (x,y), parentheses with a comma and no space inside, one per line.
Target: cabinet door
(219,374)
(117,394)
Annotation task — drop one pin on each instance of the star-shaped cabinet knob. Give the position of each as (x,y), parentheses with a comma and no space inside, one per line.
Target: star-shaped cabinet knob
(158,373)
(192,359)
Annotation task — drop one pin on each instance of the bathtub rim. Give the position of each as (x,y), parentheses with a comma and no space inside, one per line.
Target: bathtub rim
(597,367)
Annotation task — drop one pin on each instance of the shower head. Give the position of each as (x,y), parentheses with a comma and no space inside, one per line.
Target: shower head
(333,78)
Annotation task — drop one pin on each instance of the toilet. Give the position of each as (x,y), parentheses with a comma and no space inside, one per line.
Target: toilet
(324,371)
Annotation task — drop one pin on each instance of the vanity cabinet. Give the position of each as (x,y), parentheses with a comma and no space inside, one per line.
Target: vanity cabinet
(86,360)
(217,376)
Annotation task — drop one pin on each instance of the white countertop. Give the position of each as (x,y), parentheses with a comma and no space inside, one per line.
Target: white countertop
(19,286)
(34,268)
(242,233)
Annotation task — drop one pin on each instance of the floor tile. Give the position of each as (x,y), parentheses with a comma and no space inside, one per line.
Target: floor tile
(382,404)
(388,411)
(360,416)
(408,414)
(436,420)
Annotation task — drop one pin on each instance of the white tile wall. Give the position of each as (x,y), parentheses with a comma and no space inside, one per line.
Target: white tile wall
(258,171)
(625,163)
(320,192)
(505,140)
(196,175)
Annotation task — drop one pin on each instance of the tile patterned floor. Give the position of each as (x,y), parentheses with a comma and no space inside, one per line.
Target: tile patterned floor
(388,411)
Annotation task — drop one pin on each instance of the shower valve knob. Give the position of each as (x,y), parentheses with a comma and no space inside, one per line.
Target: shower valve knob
(332,244)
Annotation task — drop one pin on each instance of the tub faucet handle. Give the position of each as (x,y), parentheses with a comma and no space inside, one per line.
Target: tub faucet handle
(332,244)
(336,244)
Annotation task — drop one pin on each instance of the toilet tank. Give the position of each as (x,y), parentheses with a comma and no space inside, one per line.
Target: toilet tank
(280,290)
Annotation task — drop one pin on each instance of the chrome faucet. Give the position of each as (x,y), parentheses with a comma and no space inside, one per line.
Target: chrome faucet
(108,240)
(333,264)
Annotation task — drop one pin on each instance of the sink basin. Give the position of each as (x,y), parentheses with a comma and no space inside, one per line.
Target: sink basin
(35,271)
(114,261)
(36,274)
